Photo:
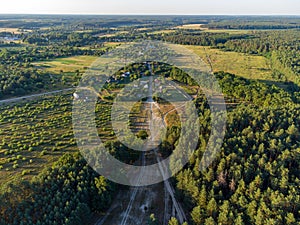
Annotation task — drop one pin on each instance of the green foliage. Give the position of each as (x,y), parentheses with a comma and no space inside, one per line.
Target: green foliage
(142,134)
(253,180)
(66,193)
(173,221)
(238,89)
(202,38)
(152,220)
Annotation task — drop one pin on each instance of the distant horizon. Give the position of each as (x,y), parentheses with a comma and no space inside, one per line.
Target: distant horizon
(147,14)
(153,7)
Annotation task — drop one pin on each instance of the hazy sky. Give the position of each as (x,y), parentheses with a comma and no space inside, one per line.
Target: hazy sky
(283,7)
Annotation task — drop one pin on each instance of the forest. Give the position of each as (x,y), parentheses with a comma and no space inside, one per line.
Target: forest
(66,193)
(254,180)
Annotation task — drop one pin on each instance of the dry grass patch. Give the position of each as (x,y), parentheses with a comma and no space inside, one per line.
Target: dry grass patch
(248,66)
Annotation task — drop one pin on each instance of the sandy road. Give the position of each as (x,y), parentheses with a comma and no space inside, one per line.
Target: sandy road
(33,96)
(135,189)
(129,216)
(134,192)
(162,167)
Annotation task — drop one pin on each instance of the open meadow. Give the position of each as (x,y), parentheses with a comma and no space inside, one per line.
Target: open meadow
(66,64)
(248,66)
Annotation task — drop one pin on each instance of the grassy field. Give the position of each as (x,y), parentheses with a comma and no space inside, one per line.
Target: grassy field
(248,66)
(204,29)
(162,31)
(113,34)
(113,44)
(191,27)
(67,64)
(13,30)
(229,31)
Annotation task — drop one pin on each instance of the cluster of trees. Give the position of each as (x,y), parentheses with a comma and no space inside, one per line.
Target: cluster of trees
(173,221)
(17,82)
(238,89)
(66,193)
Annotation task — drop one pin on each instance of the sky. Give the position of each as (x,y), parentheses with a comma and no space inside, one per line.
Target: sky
(185,7)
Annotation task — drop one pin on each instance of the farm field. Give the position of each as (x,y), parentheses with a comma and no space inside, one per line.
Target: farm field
(165,31)
(66,64)
(248,66)
(191,27)
(13,30)
(229,31)
(200,27)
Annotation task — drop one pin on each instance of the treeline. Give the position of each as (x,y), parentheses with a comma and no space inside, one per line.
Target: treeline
(259,26)
(264,41)
(4,44)
(61,38)
(87,22)
(203,38)
(254,22)
(65,193)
